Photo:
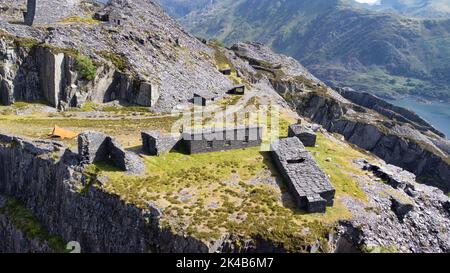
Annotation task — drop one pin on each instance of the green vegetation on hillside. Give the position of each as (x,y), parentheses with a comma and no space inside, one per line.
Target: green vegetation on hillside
(86,67)
(383,53)
(78,19)
(207,195)
(24,220)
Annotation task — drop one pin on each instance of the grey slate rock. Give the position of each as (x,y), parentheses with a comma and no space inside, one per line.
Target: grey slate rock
(155,212)
(92,147)
(306,135)
(3,201)
(400,208)
(157,143)
(96,146)
(126,161)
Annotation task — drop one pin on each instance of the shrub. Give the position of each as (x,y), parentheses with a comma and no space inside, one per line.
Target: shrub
(86,67)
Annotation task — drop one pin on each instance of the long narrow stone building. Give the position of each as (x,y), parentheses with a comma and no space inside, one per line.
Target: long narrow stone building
(308,184)
(222,139)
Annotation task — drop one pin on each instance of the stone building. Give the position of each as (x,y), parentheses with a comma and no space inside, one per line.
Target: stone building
(225,71)
(157,143)
(49,11)
(308,184)
(305,134)
(116,18)
(96,146)
(204,99)
(237,90)
(221,139)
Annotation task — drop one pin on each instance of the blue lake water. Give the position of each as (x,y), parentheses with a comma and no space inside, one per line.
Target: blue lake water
(436,113)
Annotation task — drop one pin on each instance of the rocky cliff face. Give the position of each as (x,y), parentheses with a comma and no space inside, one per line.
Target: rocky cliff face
(397,143)
(392,133)
(400,215)
(14,240)
(51,182)
(48,180)
(43,73)
(386,109)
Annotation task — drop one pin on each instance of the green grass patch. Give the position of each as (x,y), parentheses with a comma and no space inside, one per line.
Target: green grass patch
(121,63)
(337,161)
(78,19)
(86,67)
(26,221)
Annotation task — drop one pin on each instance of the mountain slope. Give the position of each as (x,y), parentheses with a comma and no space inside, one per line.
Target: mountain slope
(148,51)
(342,45)
(417,8)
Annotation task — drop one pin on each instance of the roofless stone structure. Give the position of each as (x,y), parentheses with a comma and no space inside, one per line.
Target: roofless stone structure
(49,11)
(222,139)
(308,184)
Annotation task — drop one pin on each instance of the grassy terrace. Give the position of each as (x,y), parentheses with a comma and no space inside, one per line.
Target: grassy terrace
(123,124)
(208,195)
(240,192)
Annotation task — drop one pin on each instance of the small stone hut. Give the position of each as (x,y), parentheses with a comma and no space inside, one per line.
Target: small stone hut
(204,99)
(237,90)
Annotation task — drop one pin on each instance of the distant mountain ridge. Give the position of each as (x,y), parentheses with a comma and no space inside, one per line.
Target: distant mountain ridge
(417,8)
(342,44)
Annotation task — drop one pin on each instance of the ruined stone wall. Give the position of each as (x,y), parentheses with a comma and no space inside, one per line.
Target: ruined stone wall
(222,140)
(308,184)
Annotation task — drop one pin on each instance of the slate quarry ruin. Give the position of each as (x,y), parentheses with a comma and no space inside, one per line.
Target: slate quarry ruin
(222,139)
(158,143)
(308,184)
(206,140)
(95,147)
(306,135)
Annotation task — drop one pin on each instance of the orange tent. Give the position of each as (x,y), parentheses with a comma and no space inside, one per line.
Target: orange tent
(61,133)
